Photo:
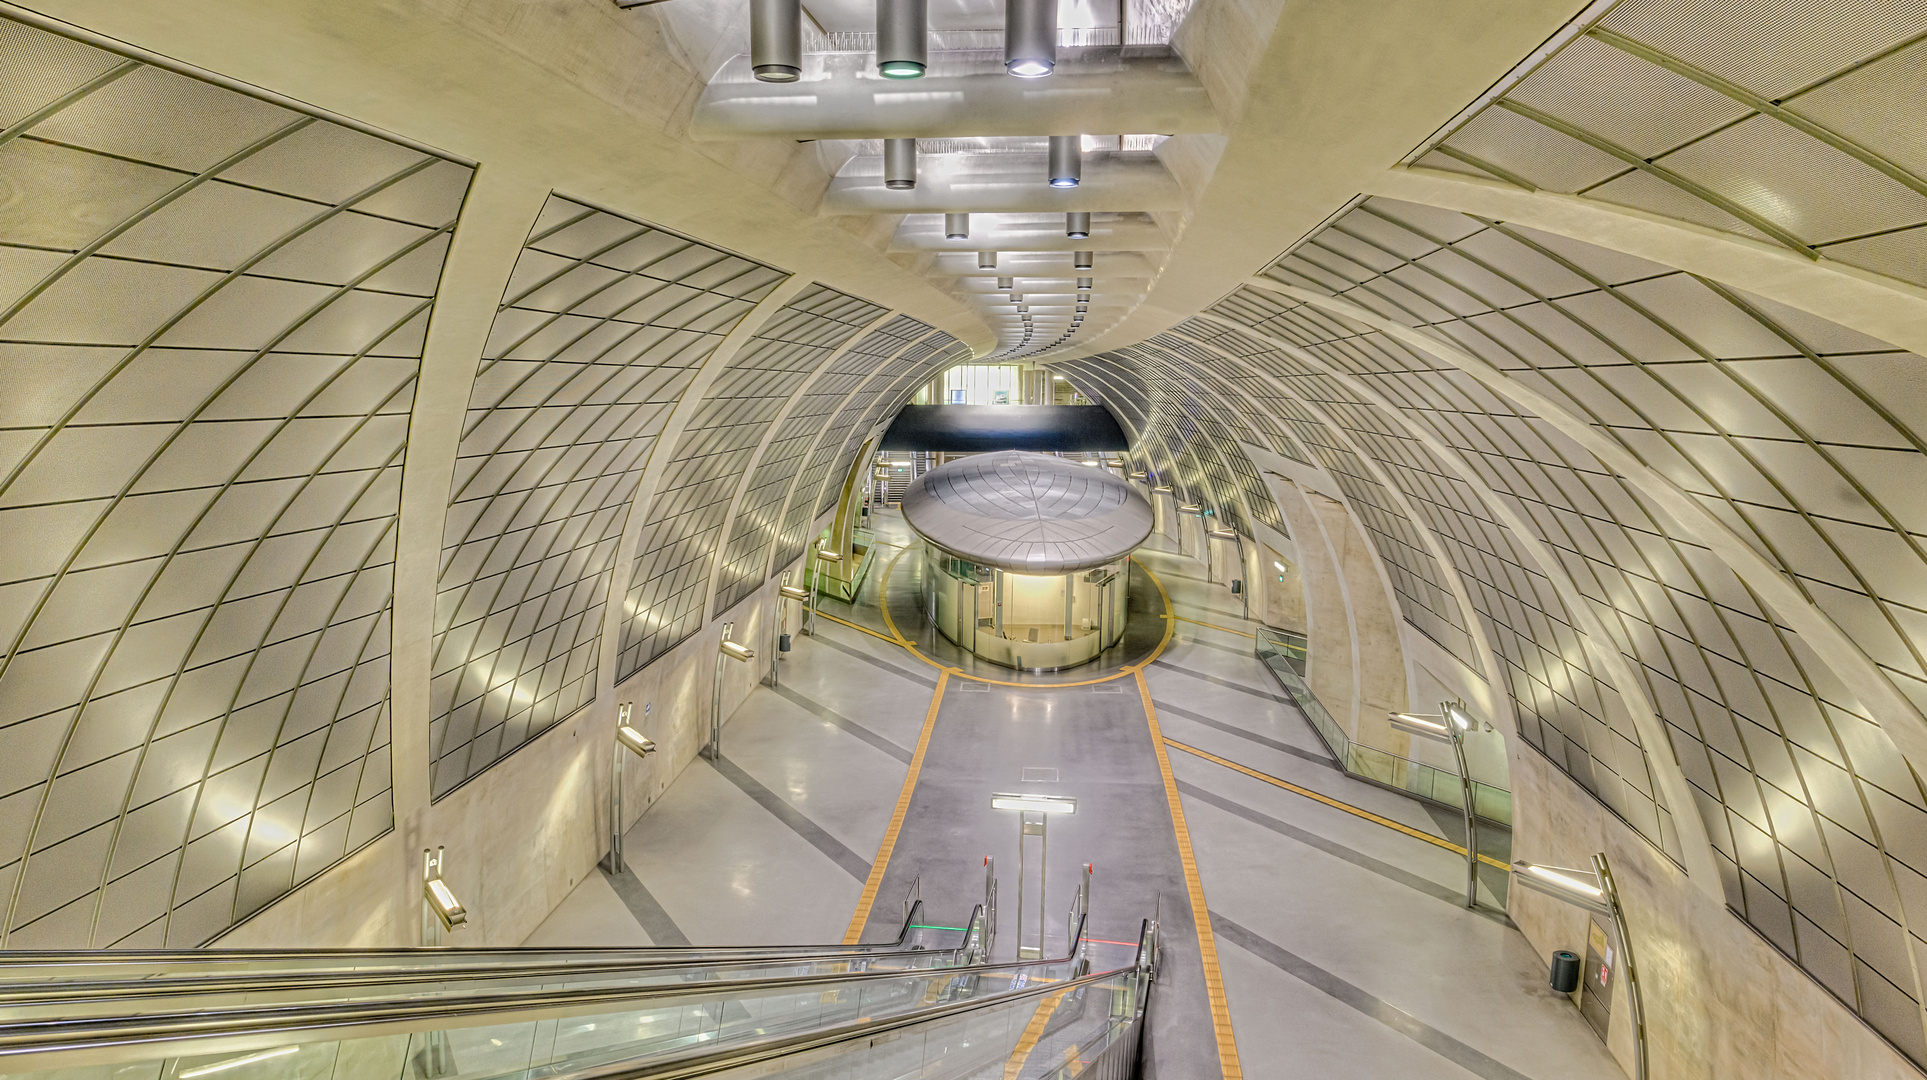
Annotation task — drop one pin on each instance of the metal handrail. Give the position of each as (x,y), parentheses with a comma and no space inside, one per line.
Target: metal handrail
(23,964)
(92,1040)
(71,991)
(709,1062)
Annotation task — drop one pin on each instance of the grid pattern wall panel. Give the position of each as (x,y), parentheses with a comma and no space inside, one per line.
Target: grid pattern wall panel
(1802,436)
(836,392)
(685,525)
(1234,473)
(603,325)
(210,332)
(746,557)
(1418,581)
(893,384)
(1732,115)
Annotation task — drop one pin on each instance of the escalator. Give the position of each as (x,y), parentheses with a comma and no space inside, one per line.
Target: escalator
(930,1004)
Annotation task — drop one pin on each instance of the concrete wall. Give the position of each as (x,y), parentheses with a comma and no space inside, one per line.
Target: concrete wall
(1720,1002)
(522,834)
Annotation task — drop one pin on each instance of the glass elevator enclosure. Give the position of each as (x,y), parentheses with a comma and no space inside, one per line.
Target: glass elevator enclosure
(1036,622)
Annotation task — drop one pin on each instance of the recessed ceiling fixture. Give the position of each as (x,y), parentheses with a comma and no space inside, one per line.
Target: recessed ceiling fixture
(986,260)
(776,39)
(1084,259)
(1066,160)
(956,226)
(900,164)
(1077,226)
(902,38)
(1030,37)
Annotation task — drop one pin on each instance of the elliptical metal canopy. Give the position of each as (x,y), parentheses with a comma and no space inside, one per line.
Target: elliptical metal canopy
(1028,513)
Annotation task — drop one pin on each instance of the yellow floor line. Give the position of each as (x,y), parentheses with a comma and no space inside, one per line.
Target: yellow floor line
(1214,626)
(1207,941)
(1333,803)
(869,898)
(1033,1031)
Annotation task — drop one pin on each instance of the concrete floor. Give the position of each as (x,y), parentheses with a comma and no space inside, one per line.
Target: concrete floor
(1344,946)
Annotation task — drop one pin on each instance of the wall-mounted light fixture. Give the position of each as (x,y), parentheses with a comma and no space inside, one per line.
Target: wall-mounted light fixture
(900,164)
(1030,37)
(902,38)
(1077,226)
(956,226)
(1450,725)
(729,650)
(776,40)
(986,260)
(1066,160)
(441,912)
(628,741)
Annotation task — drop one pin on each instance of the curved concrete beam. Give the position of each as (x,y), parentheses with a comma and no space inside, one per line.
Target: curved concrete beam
(1098,91)
(1895,713)
(499,210)
(1877,306)
(1004,184)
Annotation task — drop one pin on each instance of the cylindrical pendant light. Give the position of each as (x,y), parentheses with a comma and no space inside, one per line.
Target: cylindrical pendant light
(902,37)
(1066,160)
(1006,283)
(776,39)
(986,260)
(900,164)
(1084,259)
(1030,37)
(1083,283)
(956,226)
(1077,227)
(1021,308)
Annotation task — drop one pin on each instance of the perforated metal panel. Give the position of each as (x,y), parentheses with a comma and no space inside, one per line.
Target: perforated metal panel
(746,559)
(685,523)
(1802,436)
(1738,116)
(839,397)
(880,396)
(603,325)
(210,332)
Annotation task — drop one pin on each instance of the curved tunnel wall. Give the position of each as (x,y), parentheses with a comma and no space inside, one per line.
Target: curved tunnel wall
(215,315)
(1798,434)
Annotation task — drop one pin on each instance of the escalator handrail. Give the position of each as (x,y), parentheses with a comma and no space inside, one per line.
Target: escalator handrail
(723,1059)
(98,1037)
(29,994)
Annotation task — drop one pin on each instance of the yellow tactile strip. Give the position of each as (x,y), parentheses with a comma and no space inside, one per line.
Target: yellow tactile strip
(882,862)
(1331,802)
(1207,941)
(1033,1031)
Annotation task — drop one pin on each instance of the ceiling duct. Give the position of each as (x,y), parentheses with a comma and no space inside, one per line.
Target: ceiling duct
(902,38)
(1066,160)
(776,40)
(899,164)
(1030,37)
